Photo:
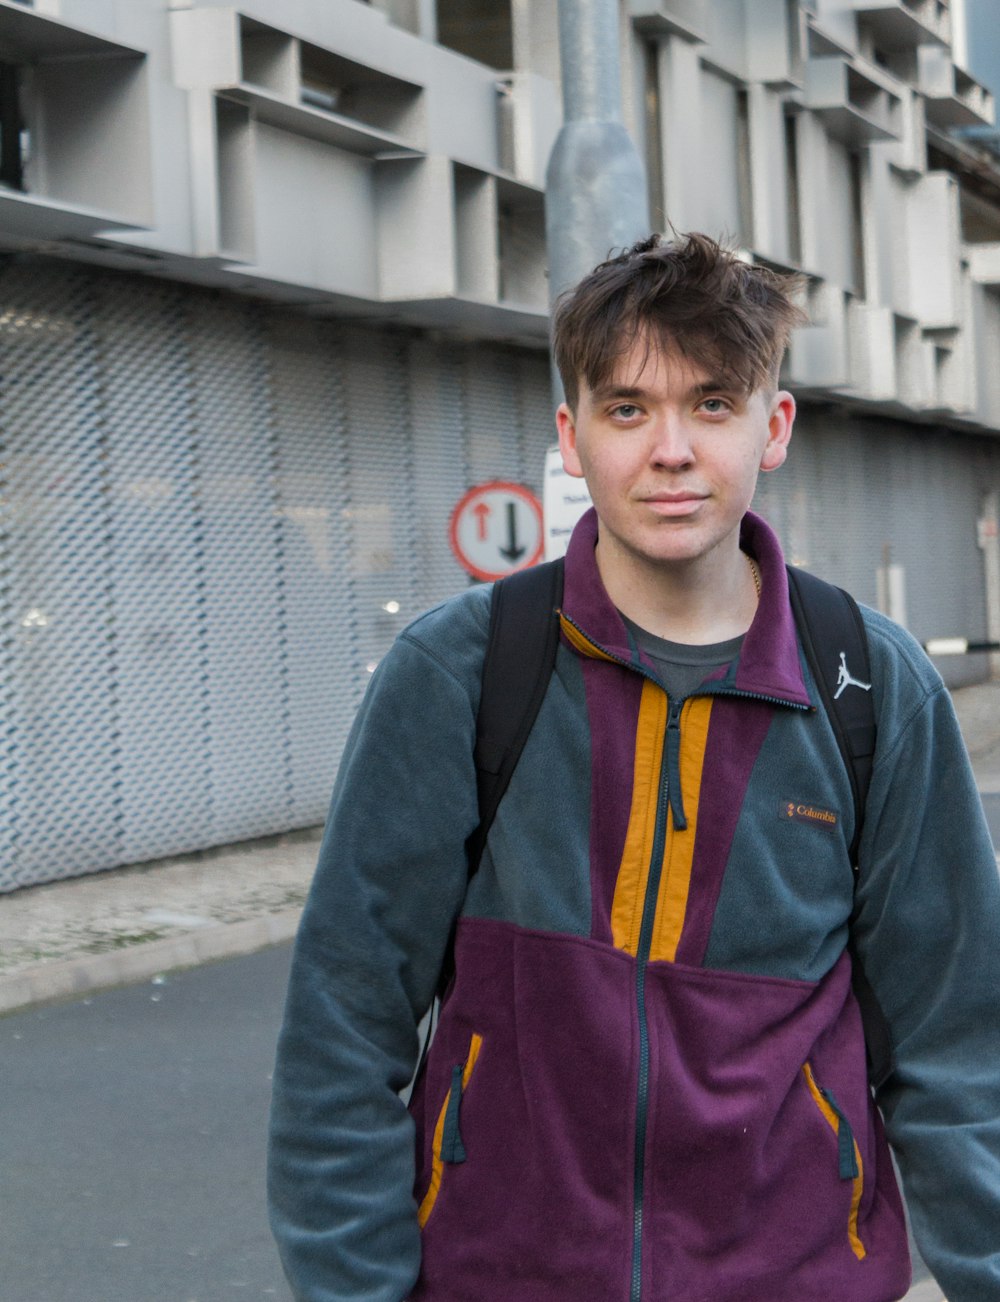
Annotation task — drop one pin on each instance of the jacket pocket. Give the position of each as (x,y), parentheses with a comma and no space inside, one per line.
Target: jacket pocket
(848,1154)
(448,1148)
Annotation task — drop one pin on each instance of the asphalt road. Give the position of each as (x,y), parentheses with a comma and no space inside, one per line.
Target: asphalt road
(132,1144)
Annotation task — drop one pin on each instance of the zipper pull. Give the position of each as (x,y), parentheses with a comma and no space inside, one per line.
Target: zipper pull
(452,1148)
(847,1158)
(674,792)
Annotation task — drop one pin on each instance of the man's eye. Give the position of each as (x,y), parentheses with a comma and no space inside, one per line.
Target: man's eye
(626,411)
(714,406)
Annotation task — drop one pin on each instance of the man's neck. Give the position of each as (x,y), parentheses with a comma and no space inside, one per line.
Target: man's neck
(706,600)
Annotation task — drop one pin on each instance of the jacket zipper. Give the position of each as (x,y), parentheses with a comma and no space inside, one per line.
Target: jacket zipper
(671,741)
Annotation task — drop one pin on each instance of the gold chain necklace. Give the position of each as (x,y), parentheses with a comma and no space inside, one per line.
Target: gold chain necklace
(755,572)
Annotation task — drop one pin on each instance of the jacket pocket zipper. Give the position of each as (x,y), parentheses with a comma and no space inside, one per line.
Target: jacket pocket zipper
(447,1147)
(848,1154)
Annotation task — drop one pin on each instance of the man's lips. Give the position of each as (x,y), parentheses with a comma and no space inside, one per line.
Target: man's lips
(682,495)
(680,503)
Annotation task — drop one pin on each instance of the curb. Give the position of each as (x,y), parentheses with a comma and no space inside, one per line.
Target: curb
(44,982)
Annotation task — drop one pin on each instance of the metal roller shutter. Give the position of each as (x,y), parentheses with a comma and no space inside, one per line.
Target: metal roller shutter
(216,517)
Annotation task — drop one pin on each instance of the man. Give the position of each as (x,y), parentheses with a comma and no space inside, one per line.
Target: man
(648,1081)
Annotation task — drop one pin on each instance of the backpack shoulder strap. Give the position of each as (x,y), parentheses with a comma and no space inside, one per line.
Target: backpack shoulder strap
(520,655)
(836,646)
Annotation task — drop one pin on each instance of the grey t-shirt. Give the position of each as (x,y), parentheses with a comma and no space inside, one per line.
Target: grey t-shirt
(682,668)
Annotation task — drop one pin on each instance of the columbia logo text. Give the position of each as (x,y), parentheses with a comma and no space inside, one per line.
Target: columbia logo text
(799,812)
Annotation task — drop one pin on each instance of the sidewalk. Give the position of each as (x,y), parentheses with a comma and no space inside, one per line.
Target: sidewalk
(71,937)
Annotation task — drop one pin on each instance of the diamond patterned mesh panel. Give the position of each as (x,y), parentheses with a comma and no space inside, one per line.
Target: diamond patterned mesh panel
(216,516)
(440,463)
(245,620)
(383,558)
(493,442)
(60,723)
(153,607)
(321,641)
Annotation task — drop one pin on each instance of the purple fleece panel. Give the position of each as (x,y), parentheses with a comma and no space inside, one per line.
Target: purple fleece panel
(745,1201)
(736,732)
(769,659)
(743,1198)
(541,1209)
(584,597)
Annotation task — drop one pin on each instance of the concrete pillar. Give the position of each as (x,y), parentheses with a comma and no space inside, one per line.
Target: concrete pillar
(596,196)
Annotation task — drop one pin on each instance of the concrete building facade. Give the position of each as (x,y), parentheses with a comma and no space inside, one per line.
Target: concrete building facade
(273,296)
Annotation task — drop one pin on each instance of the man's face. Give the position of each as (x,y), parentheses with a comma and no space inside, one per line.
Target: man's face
(671,456)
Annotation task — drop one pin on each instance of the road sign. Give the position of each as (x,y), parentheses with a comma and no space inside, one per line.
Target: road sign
(565,499)
(496,529)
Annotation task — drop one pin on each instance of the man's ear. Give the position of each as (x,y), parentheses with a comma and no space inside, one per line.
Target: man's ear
(779,430)
(566,425)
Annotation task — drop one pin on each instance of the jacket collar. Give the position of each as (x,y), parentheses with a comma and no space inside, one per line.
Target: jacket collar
(768,664)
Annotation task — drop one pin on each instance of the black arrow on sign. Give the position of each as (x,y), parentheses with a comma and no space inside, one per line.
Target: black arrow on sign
(512,551)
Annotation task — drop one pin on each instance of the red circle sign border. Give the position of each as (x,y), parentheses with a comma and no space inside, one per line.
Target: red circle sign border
(494,486)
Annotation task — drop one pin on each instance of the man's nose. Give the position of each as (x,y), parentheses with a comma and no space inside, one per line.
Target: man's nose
(672,441)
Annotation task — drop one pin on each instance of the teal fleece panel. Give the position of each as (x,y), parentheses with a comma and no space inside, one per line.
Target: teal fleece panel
(793,872)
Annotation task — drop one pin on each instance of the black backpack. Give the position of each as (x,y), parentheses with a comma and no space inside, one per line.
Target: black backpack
(520,656)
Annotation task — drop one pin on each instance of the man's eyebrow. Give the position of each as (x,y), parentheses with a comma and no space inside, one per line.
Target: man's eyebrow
(605,391)
(719,384)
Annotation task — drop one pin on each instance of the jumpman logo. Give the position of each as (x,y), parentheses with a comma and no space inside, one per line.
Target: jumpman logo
(844,678)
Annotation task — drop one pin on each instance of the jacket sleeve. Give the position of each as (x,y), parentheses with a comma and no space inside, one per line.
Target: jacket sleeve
(390,881)
(928,934)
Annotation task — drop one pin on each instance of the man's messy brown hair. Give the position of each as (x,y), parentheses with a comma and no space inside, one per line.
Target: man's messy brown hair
(690,296)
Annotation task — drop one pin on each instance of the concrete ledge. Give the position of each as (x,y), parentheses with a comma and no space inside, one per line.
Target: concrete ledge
(72,978)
